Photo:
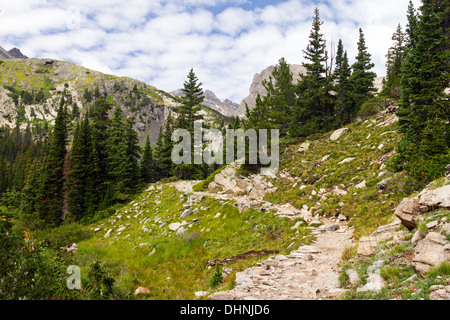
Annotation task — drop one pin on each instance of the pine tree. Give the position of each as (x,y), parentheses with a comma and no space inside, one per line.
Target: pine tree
(188,114)
(362,78)
(315,106)
(147,163)
(424,116)
(345,106)
(51,199)
(279,101)
(132,154)
(117,161)
(192,98)
(394,65)
(163,152)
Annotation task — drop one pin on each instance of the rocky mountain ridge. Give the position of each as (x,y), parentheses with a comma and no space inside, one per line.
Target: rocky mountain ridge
(227,107)
(14,53)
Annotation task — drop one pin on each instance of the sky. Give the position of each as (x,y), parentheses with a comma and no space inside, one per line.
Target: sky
(226,42)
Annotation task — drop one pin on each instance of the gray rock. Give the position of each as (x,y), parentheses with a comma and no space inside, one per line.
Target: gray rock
(338,133)
(174,226)
(332,228)
(374,283)
(384,184)
(438,197)
(408,211)
(186,214)
(440,292)
(430,252)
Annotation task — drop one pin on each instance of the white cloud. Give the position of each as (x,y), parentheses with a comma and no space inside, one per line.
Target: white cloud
(158,41)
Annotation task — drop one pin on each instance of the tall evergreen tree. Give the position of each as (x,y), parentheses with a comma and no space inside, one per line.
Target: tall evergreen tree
(345,106)
(279,101)
(147,163)
(51,199)
(192,98)
(132,154)
(163,152)
(424,113)
(315,106)
(394,65)
(362,78)
(117,162)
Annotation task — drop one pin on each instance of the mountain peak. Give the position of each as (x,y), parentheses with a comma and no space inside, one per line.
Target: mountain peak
(14,53)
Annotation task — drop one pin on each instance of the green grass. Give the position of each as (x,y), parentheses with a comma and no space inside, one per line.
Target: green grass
(174,266)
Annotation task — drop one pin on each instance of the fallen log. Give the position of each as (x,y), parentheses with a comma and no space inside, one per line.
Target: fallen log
(241,257)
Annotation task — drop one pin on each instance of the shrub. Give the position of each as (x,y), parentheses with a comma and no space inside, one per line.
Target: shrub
(217,278)
(63,236)
(372,107)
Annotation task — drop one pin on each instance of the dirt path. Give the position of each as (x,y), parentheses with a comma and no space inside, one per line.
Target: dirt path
(310,272)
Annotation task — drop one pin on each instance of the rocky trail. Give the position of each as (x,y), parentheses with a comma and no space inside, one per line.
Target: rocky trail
(309,272)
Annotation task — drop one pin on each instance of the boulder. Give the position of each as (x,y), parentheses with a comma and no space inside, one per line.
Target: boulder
(368,244)
(174,226)
(338,133)
(141,290)
(304,147)
(431,252)
(384,184)
(408,211)
(186,213)
(440,292)
(439,197)
(374,283)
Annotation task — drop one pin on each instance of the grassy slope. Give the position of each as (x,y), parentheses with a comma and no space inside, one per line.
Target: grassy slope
(177,268)
(368,207)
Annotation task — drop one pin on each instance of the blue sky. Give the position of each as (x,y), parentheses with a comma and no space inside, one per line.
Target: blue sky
(225,41)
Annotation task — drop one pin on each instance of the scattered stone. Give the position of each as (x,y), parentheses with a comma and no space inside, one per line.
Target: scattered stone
(174,226)
(186,214)
(142,290)
(332,228)
(341,217)
(368,244)
(297,225)
(304,147)
(108,233)
(346,160)
(374,283)
(384,184)
(217,215)
(353,276)
(432,224)
(200,294)
(338,133)
(361,185)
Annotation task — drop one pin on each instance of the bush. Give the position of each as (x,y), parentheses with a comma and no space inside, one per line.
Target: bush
(203,186)
(373,107)
(63,236)
(217,278)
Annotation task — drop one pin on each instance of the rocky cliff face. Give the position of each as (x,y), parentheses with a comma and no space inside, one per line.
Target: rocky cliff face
(227,108)
(147,104)
(257,86)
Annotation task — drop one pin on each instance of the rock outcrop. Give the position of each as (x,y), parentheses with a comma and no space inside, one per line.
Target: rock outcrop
(257,86)
(431,252)
(410,210)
